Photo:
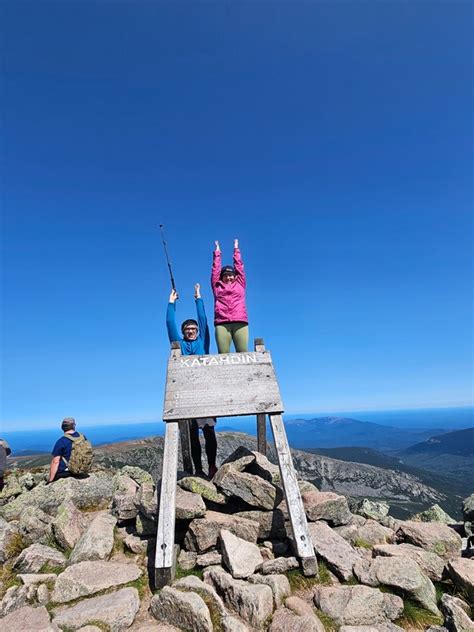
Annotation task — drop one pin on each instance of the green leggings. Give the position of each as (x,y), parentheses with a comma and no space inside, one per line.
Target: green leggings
(238,333)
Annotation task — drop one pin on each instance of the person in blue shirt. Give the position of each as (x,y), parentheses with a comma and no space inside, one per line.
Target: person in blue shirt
(62,450)
(195,340)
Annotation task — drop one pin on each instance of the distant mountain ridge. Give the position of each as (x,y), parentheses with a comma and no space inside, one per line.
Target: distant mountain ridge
(332,432)
(458,442)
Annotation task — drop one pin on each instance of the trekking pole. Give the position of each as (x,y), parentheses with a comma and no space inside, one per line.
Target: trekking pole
(167,258)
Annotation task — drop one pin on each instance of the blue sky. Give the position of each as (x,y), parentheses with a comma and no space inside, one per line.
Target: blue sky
(333,139)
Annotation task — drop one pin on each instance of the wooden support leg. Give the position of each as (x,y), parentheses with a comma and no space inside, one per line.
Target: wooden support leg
(262,434)
(165,559)
(186,446)
(299,526)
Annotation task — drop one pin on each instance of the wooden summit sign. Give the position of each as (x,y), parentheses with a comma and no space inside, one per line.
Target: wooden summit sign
(223,385)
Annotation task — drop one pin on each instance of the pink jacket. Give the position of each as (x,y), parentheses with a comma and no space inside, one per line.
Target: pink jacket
(229,298)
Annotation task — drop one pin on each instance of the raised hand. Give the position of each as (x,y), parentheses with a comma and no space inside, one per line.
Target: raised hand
(173,296)
(218,248)
(236,243)
(197,291)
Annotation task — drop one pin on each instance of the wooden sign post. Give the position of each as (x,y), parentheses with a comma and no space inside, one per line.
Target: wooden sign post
(224,385)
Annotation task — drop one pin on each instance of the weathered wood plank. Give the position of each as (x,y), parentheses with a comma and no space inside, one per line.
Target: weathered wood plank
(186,446)
(167,511)
(262,434)
(299,525)
(223,385)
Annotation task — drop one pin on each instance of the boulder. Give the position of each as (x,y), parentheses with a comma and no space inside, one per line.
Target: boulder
(333,549)
(232,624)
(372,533)
(456,614)
(271,523)
(401,573)
(209,559)
(68,525)
(239,556)
(357,605)
(253,490)
(431,536)
(284,620)
(431,564)
(185,610)
(468,508)
(374,509)
(383,627)
(433,514)
(203,533)
(252,602)
(278,583)
(86,578)
(326,506)
(32,559)
(189,505)
(137,474)
(35,526)
(97,542)
(278,565)
(206,591)
(206,489)
(93,491)
(116,610)
(253,462)
(135,544)
(187,559)
(30,579)
(42,595)
(9,533)
(29,619)
(146,501)
(461,571)
(123,500)
(14,598)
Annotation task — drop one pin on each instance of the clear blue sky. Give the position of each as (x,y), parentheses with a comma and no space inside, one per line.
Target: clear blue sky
(334,139)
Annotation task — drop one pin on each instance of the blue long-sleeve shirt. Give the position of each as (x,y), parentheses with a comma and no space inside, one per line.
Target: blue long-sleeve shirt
(200,346)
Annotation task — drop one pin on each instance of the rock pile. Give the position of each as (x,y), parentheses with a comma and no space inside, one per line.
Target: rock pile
(79,555)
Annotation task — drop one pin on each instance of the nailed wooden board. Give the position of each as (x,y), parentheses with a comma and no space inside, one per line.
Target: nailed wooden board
(223,385)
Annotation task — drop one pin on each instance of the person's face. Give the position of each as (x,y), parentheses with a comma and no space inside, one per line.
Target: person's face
(228,277)
(190,332)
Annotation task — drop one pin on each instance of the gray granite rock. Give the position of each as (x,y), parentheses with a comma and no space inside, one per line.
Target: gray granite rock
(97,542)
(461,571)
(284,620)
(252,489)
(252,602)
(86,578)
(135,544)
(373,509)
(430,563)
(468,508)
(68,525)
(146,501)
(123,499)
(32,559)
(232,624)
(8,535)
(185,610)
(431,536)
(189,505)
(203,533)
(278,583)
(206,591)
(327,506)
(29,619)
(206,489)
(456,614)
(209,559)
(381,627)
(433,514)
(240,557)
(357,605)
(30,579)
(42,595)
(139,475)
(116,610)
(187,559)
(333,549)
(271,523)
(14,598)
(35,526)
(278,565)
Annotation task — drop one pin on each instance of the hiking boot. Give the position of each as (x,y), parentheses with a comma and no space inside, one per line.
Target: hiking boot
(212,471)
(201,474)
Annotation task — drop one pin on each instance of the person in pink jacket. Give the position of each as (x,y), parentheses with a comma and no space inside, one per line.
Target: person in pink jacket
(230,313)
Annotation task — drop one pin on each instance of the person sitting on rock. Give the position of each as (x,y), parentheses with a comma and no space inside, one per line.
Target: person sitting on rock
(195,341)
(63,463)
(4,452)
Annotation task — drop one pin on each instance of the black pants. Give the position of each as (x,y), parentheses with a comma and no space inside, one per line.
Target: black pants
(210,443)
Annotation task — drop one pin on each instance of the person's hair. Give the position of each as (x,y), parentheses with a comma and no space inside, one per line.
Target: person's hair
(190,321)
(68,423)
(227,270)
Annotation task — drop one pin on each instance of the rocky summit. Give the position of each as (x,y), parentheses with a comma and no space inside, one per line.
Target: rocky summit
(79,554)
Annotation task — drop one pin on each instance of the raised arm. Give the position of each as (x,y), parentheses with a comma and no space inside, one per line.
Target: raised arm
(202,319)
(239,264)
(216,265)
(173,333)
